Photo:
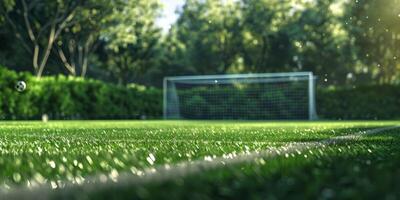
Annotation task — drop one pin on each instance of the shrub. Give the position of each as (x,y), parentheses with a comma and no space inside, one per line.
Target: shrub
(64,97)
(362,102)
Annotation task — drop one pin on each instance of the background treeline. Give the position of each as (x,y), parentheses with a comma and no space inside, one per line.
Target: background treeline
(343,42)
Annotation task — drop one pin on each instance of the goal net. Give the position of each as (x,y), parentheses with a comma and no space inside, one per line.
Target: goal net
(271,96)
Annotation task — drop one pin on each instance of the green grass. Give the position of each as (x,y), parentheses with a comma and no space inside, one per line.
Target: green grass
(366,169)
(34,153)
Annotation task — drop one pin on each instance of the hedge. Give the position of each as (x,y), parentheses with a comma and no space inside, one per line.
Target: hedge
(367,102)
(62,97)
(361,102)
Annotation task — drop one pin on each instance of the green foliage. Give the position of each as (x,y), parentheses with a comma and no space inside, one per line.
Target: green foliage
(76,45)
(346,103)
(374,25)
(77,98)
(5,6)
(37,25)
(12,102)
(132,40)
(68,32)
(342,41)
(63,97)
(210,33)
(262,36)
(129,22)
(362,102)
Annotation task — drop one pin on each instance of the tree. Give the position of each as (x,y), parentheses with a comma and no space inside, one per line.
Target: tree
(132,39)
(210,31)
(173,61)
(11,55)
(78,42)
(38,24)
(287,36)
(374,25)
(264,36)
(321,42)
(131,62)
(265,47)
(6,6)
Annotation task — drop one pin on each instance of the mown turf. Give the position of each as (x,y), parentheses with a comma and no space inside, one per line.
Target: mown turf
(363,169)
(34,153)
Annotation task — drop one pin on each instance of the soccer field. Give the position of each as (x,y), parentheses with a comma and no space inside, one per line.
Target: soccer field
(200,159)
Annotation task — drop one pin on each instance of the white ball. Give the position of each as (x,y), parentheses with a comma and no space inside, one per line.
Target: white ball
(20,86)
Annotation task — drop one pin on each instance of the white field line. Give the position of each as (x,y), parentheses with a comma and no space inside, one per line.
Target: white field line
(182,169)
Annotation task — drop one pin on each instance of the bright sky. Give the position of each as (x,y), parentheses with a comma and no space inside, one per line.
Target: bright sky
(169,15)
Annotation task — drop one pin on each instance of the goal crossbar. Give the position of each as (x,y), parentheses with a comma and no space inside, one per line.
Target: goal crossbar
(237,76)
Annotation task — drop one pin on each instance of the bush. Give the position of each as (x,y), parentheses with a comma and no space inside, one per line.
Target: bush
(76,98)
(63,97)
(363,102)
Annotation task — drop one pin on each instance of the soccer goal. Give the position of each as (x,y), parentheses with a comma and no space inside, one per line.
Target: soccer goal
(269,96)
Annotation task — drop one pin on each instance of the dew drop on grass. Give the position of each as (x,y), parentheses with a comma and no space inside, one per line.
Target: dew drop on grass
(39,178)
(28,184)
(61,168)
(17,177)
(17,162)
(150,159)
(103,178)
(52,164)
(113,175)
(89,159)
(31,165)
(80,165)
(79,179)
(208,158)
(53,185)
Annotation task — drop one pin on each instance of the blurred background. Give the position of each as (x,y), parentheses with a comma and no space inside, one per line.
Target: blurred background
(98,59)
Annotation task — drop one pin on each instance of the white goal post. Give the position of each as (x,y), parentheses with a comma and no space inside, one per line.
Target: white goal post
(266,96)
